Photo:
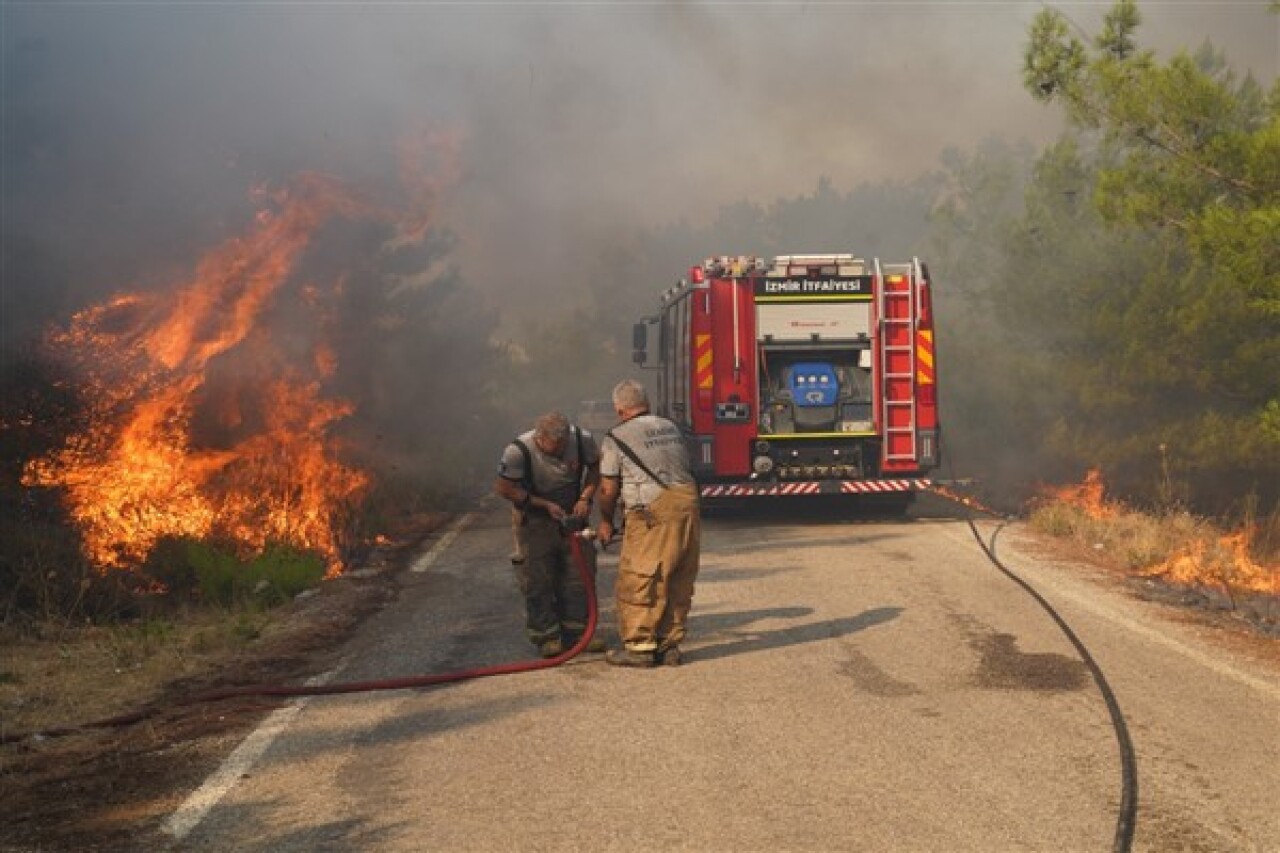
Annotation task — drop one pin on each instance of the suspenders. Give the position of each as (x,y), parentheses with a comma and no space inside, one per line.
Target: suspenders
(631,454)
(527,482)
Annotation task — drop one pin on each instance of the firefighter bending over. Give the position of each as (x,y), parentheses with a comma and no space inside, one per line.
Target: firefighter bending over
(644,460)
(551,474)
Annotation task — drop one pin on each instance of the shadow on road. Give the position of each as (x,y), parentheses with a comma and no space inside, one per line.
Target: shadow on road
(832,510)
(810,509)
(710,625)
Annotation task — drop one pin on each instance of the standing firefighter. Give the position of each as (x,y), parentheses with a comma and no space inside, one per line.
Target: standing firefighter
(644,460)
(551,474)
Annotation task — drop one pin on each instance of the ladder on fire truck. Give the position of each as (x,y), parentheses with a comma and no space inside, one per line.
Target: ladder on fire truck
(897,308)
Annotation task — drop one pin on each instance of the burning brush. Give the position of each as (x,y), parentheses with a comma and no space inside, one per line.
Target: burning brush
(198,420)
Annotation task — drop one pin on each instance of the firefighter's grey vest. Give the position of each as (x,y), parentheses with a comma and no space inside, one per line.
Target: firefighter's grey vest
(545,482)
(659,444)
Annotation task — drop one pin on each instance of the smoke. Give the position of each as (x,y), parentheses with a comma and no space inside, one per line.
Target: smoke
(134,133)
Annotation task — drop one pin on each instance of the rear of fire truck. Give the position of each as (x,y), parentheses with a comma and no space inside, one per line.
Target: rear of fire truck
(813,374)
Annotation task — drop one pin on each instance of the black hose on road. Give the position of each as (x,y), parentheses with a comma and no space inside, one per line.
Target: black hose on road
(1127,817)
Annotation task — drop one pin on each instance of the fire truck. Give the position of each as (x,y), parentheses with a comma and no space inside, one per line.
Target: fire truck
(810,375)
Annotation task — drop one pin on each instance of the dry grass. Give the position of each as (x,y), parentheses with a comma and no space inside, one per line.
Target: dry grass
(1174,545)
(106,787)
(59,671)
(60,675)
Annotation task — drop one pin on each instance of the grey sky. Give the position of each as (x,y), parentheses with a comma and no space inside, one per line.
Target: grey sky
(145,124)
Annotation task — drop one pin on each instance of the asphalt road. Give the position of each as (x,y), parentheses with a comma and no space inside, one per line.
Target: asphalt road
(851,684)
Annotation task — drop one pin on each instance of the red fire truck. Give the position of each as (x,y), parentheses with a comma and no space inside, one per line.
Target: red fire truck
(813,374)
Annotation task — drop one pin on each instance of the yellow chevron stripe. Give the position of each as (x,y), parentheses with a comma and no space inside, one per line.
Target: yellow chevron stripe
(924,357)
(703,349)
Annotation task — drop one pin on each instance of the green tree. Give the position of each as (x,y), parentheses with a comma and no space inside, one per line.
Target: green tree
(1179,345)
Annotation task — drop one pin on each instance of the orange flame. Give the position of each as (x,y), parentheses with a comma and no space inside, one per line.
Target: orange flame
(1087,496)
(136,471)
(1223,560)
(1226,562)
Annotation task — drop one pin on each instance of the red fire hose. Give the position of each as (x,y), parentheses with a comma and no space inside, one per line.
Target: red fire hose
(575,546)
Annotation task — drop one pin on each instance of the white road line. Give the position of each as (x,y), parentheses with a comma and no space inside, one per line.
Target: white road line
(428,559)
(190,813)
(188,816)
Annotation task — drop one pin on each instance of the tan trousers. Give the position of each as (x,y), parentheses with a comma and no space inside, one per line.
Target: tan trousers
(657,570)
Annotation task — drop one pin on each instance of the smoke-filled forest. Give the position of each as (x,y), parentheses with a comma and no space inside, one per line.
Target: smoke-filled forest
(265,269)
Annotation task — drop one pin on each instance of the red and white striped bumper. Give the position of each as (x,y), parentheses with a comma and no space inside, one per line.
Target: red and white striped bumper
(812,487)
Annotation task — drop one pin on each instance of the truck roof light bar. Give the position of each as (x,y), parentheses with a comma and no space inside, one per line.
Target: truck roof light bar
(817,259)
(785,266)
(726,265)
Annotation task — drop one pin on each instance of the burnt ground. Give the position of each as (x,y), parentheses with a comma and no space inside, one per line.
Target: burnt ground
(103,789)
(1254,617)
(100,789)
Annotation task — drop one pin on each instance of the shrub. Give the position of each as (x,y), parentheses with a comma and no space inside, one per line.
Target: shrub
(213,573)
(282,571)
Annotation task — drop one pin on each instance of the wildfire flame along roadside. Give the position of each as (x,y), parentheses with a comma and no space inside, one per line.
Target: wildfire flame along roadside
(1224,560)
(197,421)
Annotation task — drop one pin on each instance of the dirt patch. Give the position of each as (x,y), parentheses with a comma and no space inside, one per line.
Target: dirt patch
(101,789)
